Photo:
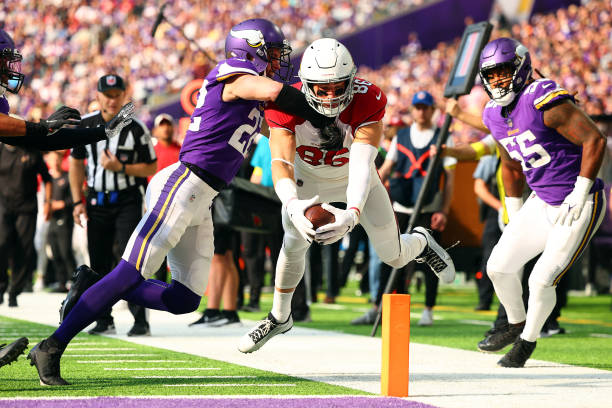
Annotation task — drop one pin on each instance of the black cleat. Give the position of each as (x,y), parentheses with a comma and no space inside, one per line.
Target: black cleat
(140,329)
(46,357)
(82,279)
(103,327)
(10,353)
(503,337)
(518,354)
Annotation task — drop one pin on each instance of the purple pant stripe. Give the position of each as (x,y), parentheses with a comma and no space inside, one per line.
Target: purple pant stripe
(156,216)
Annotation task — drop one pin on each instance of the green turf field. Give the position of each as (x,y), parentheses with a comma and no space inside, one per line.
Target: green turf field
(588,321)
(102,366)
(107,366)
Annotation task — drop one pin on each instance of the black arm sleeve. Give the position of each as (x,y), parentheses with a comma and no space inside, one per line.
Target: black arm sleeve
(64,138)
(292,101)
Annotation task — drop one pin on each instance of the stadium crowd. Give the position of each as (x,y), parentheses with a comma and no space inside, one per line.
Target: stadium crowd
(68,44)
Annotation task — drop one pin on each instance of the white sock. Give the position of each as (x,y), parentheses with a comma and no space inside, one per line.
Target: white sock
(281,306)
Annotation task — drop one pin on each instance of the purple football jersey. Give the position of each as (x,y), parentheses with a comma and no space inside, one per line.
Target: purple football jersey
(221,133)
(4,105)
(551,163)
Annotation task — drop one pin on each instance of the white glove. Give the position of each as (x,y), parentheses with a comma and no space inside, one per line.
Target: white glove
(295,209)
(572,206)
(345,222)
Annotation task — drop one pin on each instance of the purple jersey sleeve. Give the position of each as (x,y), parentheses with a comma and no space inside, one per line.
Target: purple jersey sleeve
(230,67)
(4,105)
(545,92)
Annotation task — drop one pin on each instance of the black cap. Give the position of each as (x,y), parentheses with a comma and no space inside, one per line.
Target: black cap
(111,81)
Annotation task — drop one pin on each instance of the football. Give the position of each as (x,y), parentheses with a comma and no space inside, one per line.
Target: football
(318,216)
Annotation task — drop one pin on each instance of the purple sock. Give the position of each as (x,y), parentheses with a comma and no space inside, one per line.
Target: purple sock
(105,293)
(175,298)
(148,294)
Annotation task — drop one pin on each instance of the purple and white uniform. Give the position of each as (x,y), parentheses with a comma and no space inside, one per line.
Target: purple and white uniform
(551,164)
(178,222)
(219,138)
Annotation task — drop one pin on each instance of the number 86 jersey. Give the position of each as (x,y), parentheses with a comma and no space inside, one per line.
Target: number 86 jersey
(550,162)
(368,106)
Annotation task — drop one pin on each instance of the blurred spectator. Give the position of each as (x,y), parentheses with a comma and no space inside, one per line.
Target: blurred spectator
(166,148)
(59,234)
(19,168)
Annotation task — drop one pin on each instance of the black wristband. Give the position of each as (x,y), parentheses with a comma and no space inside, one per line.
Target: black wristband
(35,129)
(293,101)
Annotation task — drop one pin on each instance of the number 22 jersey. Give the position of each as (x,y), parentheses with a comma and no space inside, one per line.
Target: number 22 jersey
(220,133)
(550,162)
(368,106)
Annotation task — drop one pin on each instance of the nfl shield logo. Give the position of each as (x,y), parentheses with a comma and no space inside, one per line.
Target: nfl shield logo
(111,80)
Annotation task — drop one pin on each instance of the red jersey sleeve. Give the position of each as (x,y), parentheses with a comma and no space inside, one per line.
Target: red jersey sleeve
(368,105)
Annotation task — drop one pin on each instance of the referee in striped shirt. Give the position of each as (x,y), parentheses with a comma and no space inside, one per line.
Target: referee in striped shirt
(116,174)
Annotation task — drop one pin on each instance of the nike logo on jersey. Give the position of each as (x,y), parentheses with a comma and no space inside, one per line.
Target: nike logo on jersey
(379,95)
(547,85)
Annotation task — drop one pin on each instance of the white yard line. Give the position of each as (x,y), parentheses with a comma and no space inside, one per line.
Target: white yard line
(161,369)
(229,385)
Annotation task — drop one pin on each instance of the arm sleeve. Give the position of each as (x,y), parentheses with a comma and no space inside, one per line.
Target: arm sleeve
(64,138)
(361,160)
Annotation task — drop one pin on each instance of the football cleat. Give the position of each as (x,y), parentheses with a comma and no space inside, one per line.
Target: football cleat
(503,337)
(436,257)
(82,279)
(518,354)
(263,331)
(139,329)
(103,327)
(121,120)
(11,353)
(46,357)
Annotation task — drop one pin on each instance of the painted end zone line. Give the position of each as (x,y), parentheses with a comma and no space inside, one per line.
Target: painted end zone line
(161,368)
(229,385)
(101,348)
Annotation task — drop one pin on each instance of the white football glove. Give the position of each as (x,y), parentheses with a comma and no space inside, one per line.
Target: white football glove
(295,210)
(345,222)
(572,206)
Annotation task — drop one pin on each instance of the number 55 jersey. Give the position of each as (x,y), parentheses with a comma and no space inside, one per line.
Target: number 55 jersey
(550,162)
(311,160)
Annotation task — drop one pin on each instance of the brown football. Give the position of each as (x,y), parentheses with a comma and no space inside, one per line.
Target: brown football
(318,216)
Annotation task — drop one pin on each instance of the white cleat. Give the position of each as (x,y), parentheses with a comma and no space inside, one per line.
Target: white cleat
(263,331)
(436,257)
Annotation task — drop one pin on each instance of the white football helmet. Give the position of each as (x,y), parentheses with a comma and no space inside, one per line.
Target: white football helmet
(327,61)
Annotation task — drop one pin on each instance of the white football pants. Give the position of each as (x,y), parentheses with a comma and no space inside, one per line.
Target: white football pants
(530,232)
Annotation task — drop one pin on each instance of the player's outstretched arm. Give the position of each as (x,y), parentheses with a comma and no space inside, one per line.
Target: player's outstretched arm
(286,97)
(475,121)
(282,149)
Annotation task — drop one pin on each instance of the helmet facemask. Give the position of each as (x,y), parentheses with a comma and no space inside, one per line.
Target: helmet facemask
(11,78)
(331,107)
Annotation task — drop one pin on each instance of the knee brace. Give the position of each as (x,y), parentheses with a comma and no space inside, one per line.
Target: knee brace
(179,299)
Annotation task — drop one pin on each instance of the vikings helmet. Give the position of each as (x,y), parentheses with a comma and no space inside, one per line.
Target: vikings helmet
(11,77)
(512,55)
(252,39)
(326,61)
